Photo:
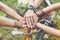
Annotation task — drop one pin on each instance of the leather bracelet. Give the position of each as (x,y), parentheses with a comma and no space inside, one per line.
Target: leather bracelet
(42,13)
(16,25)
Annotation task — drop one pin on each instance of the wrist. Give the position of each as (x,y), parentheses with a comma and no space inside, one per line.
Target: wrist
(16,25)
(39,25)
(30,10)
(39,13)
(31,7)
(31,2)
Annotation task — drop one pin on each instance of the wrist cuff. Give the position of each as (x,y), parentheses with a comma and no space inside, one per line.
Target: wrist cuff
(16,24)
(40,13)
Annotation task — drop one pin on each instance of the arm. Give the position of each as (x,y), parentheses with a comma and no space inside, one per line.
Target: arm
(31,2)
(6,22)
(30,13)
(9,11)
(49,30)
(37,2)
(52,8)
(10,23)
(49,9)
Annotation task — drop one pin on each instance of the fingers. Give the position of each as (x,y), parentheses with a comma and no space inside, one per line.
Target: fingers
(30,22)
(27,22)
(24,26)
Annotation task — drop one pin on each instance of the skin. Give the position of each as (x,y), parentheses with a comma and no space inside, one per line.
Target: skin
(11,12)
(6,22)
(49,9)
(47,29)
(37,2)
(10,23)
(30,15)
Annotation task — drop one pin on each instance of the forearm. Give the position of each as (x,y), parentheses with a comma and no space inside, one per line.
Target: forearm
(31,2)
(6,22)
(52,8)
(37,2)
(9,11)
(49,30)
(49,9)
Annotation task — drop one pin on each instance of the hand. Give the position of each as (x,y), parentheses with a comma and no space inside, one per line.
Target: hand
(20,24)
(39,13)
(30,17)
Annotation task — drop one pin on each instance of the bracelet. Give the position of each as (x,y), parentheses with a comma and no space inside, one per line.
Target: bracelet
(42,13)
(16,25)
(31,7)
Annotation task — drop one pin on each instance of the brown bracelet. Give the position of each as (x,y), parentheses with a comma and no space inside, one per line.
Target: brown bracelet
(16,25)
(42,13)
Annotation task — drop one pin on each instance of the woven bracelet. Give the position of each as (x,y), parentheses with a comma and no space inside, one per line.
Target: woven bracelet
(15,25)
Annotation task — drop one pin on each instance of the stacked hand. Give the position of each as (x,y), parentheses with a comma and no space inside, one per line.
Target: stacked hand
(30,18)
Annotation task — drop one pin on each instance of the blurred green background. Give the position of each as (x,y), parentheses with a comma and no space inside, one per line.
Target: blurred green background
(6,31)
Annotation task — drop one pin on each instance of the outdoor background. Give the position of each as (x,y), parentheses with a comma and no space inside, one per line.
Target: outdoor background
(6,31)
